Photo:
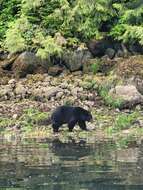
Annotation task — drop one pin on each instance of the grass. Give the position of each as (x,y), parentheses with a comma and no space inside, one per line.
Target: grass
(28,121)
(5,122)
(109,101)
(122,121)
(95,66)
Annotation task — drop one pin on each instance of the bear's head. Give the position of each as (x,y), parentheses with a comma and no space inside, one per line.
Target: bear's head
(85,115)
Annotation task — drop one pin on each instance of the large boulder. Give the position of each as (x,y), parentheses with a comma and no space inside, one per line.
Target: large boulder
(139,84)
(128,95)
(74,60)
(29,63)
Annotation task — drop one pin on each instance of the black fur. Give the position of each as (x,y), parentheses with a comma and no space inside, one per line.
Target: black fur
(71,116)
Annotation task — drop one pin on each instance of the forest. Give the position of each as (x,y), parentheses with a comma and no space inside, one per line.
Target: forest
(33,25)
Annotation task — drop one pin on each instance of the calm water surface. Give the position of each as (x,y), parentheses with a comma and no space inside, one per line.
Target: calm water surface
(70,166)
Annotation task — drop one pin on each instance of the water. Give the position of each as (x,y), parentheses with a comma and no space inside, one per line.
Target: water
(70,166)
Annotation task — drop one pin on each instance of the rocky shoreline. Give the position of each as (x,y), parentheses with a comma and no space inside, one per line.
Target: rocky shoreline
(25,105)
(110,87)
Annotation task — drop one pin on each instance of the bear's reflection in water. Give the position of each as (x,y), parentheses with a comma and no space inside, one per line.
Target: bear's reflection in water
(71,150)
(69,165)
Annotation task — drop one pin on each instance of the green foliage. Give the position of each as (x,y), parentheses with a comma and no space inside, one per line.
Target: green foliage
(96,66)
(31,117)
(123,121)
(14,36)
(129,27)
(49,47)
(9,10)
(21,21)
(5,122)
(28,121)
(104,93)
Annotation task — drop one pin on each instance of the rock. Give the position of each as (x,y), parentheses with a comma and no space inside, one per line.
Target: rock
(29,63)
(45,92)
(6,64)
(110,53)
(74,60)
(15,116)
(51,91)
(64,85)
(139,84)
(59,95)
(3,55)
(5,92)
(135,48)
(25,64)
(55,70)
(128,94)
(104,46)
(120,53)
(12,83)
(21,90)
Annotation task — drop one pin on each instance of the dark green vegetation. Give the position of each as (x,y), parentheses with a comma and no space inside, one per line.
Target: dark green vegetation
(35,25)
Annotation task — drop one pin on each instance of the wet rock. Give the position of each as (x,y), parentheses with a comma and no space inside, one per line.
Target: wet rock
(128,95)
(74,60)
(55,70)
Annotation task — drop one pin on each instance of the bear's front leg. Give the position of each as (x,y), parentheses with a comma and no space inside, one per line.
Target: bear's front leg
(82,125)
(71,125)
(55,128)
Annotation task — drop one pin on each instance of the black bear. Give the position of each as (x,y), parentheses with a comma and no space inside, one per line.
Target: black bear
(70,115)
